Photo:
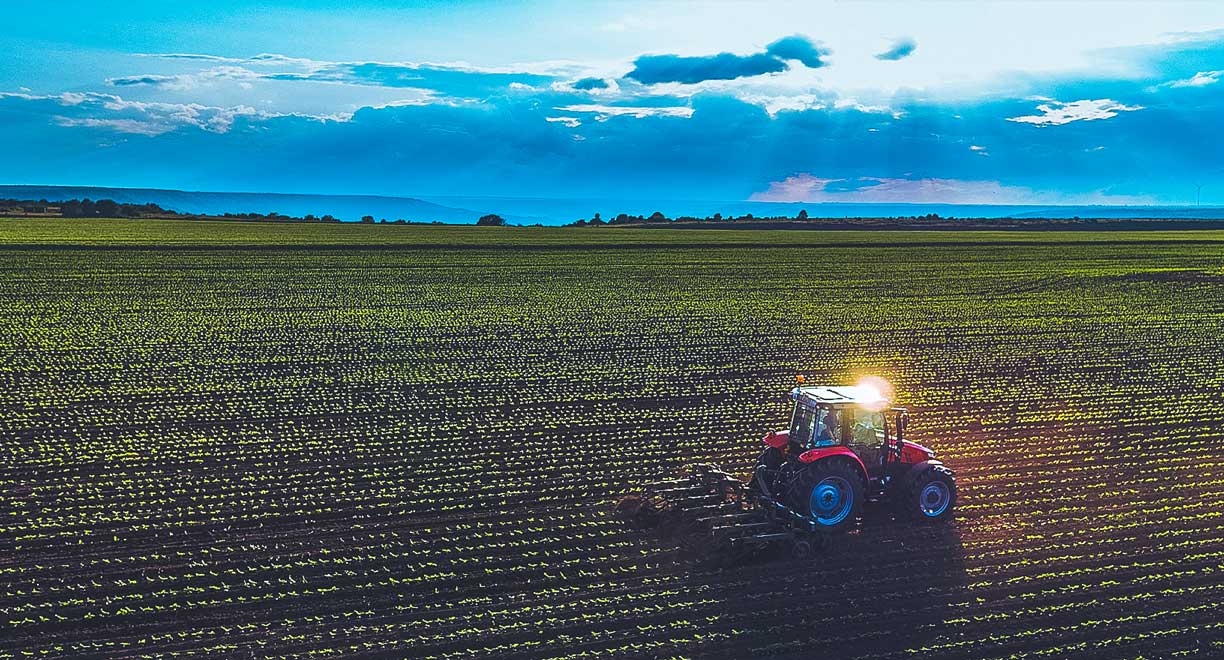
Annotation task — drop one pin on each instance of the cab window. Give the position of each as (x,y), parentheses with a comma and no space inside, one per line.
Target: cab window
(868,428)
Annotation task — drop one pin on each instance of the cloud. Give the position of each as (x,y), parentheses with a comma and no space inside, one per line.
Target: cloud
(590,83)
(800,48)
(66,98)
(654,69)
(899,50)
(808,188)
(262,58)
(458,79)
(190,56)
(979,150)
(651,69)
(132,126)
(1057,113)
(603,112)
(186,81)
(1200,79)
(128,81)
(117,114)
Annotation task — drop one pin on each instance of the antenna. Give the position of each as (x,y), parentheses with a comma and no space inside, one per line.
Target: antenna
(1198,194)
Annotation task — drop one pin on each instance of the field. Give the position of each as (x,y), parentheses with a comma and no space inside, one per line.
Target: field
(288,441)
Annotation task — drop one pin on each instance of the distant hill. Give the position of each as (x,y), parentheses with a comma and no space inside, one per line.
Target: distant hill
(344,207)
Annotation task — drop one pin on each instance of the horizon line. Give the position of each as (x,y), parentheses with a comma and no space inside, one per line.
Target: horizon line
(427,197)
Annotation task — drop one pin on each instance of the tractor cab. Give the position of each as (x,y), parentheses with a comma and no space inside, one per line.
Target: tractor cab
(855,417)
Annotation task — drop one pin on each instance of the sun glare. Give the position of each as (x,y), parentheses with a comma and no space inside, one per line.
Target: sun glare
(876,388)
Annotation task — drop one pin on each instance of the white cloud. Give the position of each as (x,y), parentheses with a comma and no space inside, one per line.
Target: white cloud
(979,149)
(1200,79)
(794,102)
(572,122)
(1057,113)
(262,58)
(66,99)
(134,126)
(603,112)
(808,188)
(108,111)
(186,81)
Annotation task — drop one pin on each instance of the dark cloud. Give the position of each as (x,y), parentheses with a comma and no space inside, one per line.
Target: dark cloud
(132,81)
(800,48)
(652,69)
(590,83)
(901,48)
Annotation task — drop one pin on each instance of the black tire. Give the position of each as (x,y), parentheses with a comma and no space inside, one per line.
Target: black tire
(831,494)
(930,497)
(801,550)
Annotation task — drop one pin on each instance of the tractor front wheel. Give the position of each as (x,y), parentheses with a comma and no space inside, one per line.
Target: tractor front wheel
(831,494)
(931,496)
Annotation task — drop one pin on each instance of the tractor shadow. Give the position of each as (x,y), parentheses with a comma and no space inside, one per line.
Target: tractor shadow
(885,589)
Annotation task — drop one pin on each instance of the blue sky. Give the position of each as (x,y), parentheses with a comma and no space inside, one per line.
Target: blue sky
(1009,103)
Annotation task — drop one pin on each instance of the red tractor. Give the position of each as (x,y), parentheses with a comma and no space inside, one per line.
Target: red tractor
(845,446)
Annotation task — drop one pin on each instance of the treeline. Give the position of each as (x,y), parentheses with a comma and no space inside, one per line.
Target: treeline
(928,221)
(657,218)
(109,208)
(82,208)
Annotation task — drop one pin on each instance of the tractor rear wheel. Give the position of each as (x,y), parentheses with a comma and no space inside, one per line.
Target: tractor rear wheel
(831,494)
(931,496)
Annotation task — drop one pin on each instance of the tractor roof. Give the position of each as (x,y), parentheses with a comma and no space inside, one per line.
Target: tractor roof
(841,395)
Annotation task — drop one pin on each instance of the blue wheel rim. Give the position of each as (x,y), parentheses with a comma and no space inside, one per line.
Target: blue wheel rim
(831,501)
(934,499)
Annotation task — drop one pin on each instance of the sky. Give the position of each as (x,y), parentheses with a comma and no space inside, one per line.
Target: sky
(957,102)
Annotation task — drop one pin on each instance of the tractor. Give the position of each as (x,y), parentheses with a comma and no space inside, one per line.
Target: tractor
(845,446)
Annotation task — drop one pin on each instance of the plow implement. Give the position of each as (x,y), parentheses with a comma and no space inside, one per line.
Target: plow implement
(716,516)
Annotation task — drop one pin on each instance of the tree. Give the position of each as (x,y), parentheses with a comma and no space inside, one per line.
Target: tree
(491,220)
(803,214)
(657,216)
(106,208)
(71,209)
(367,219)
